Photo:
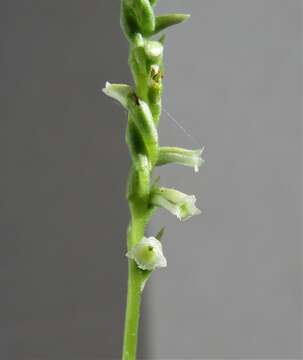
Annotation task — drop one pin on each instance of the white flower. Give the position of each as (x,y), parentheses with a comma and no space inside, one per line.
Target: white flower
(148,254)
(192,158)
(119,92)
(176,202)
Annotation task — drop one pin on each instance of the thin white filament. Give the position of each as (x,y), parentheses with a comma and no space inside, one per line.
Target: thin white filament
(175,121)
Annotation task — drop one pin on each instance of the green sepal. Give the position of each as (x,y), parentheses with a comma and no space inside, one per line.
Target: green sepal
(139,179)
(135,142)
(141,116)
(138,65)
(164,21)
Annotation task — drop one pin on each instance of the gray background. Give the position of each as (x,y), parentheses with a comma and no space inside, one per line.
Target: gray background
(232,289)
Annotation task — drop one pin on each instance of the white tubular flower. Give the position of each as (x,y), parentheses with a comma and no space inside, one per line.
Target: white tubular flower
(119,92)
(180,156)
(147,254)
(176,202)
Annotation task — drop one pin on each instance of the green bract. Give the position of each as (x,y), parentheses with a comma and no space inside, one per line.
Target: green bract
(164,21)
(143,104)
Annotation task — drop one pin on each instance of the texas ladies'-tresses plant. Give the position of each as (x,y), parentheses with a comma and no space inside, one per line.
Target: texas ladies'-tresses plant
(143,104)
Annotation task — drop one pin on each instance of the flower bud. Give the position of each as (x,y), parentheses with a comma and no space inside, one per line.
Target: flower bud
(148,254)
(176,202)
(128,20)
(145,16)
(154,51)
(137,16)
(164,21)
(180,156)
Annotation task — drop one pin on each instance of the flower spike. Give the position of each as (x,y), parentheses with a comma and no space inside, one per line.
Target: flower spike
(143,103)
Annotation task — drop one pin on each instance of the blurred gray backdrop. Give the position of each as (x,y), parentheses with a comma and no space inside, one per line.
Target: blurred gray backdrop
(232,289)
(63,213)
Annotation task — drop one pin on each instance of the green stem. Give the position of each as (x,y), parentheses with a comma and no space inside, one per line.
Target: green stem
(132,312)
(139,24)
(136,280)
